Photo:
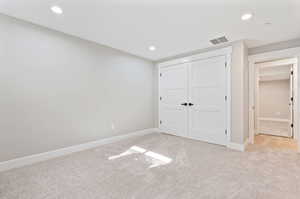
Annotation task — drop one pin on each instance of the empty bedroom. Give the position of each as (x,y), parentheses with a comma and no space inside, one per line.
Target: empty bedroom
(179,99)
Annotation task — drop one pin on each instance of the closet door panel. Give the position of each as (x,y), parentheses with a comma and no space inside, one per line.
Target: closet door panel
(207,88)
(173,93)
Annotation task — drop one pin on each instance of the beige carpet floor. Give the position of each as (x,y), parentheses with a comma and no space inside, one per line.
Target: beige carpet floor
(158,166)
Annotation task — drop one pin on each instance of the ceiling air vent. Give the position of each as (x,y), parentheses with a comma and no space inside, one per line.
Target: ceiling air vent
(219,40)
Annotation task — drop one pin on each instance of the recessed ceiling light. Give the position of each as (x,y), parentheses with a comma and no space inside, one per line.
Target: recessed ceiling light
(246,16)
(57,10)
(152,48)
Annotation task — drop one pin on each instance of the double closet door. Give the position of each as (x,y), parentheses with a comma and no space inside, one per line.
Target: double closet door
(193,100)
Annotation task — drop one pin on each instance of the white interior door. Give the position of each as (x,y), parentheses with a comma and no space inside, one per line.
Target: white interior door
(173,93)
(207,88)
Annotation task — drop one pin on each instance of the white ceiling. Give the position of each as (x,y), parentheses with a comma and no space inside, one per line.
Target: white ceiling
(173,26)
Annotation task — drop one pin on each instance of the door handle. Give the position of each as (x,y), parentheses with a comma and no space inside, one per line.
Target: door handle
(191,104)
(184,104)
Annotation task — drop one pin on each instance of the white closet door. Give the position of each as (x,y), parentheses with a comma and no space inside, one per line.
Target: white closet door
(207,88)
(173,93)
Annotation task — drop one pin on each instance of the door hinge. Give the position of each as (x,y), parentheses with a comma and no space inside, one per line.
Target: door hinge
(160,122)
(226,132)
(292,72)
(160,98)
(225,64)
(292,125)
(292,99)
(160,74)
(225,97)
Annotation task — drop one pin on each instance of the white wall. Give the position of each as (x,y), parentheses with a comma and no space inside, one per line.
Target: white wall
(246,93)
(57,90)
(268,92)
(275,46)
(239,93)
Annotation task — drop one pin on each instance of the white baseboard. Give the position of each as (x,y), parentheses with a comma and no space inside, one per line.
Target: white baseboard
(238,147)
(28,160)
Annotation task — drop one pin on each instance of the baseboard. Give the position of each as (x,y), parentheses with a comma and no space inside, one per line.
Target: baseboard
(28,160)
(238,147)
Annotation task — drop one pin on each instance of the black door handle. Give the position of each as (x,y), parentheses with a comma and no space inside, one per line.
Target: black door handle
(184,104)
(191,104)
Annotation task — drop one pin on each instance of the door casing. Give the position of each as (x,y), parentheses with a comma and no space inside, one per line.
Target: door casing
(292,54)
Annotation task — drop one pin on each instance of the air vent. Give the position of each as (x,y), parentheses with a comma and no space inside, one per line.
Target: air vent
(219,40)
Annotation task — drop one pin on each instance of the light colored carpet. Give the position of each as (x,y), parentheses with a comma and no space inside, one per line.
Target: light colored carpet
(158,166)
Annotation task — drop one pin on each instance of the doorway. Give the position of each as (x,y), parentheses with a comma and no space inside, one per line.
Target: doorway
(274,92)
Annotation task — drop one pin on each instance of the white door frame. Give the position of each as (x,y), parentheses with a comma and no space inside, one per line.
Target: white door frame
(269,64)
(293,54)
(219,52)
